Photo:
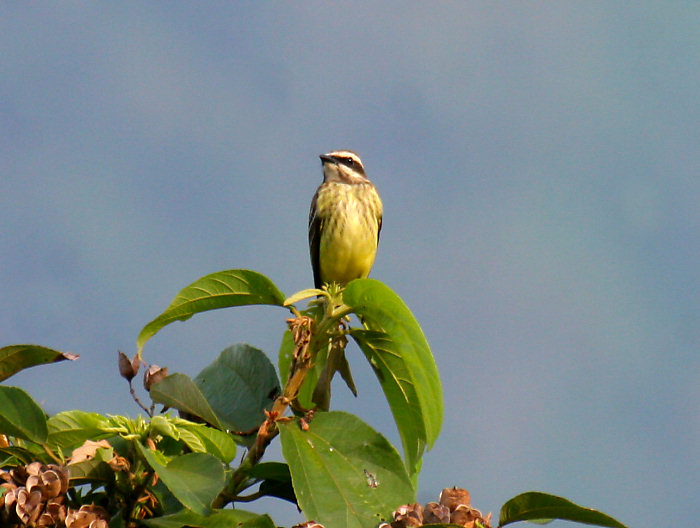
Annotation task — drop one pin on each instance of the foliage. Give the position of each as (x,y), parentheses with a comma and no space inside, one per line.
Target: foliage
(165,470)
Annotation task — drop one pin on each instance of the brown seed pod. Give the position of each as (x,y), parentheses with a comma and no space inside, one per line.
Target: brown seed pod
(28,506)
(435,513)
(128,368)
(88,516)
(453,497)
(408,516)
(153,375)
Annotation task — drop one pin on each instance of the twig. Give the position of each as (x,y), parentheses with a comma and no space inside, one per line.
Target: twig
(138,402)
(301,328)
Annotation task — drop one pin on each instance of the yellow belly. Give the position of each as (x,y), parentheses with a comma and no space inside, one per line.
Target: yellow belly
(349,239)
(347,257)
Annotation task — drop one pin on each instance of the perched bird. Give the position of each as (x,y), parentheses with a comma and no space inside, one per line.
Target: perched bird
(344,221)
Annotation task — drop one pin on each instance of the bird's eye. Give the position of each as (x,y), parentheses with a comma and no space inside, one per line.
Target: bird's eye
(350,161)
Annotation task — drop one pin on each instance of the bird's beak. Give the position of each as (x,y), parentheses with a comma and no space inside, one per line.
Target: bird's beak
(325,158)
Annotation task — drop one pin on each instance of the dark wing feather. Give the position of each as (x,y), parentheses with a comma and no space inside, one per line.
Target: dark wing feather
(315,225)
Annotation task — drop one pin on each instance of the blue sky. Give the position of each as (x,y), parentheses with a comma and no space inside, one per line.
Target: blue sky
(538,164)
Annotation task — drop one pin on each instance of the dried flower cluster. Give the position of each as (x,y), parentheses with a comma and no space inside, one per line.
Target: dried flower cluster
(34,496)
(453,507)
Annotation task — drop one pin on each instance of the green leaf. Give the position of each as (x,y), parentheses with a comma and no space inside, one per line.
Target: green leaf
(222,289)
(192,441)
(277,480)
(345,474)
(123,426)
(180,392)
(14,358)
(239,385)
(164,497)
(217,519)
(69,429)
(213,441)
(397,383)
(195,478)
(162,425)
(20,416)
(301,295)
(21,454)
(534,506)
(402,353)
(271,470)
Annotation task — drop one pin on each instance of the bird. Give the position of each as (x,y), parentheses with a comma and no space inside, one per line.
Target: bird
(345,220)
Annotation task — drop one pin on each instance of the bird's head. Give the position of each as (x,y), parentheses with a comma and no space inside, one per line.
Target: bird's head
(343,166)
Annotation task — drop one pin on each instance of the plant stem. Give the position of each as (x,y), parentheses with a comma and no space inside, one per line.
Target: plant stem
(309,337)
(302,330)
(138,401)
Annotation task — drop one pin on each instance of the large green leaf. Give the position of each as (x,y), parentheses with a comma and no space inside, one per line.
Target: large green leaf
(195,478)
(239,385)
(401,393)
(537,506)
(403,353)
(222,289)
(20,416)
(14,358)
(69,429)
(217,519)
(345,474)
(180,392)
